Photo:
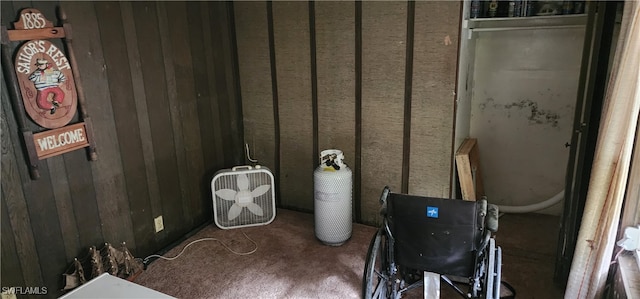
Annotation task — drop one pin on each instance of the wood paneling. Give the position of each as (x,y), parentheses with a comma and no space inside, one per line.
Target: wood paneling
(11,271)
(14,202)
(291,33)
(255,80)
(82,199)
(124,100)
(188,110)
(382,78)
(181,196)
(108,177)
(208,113)
(383,68)
(45,223)
(335,36)
(38,203)
(433,97)
(159,112)
(13,197)
(148,69)
(65,209)
(224,57)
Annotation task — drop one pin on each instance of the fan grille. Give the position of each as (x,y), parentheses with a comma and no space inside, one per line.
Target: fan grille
(229,180)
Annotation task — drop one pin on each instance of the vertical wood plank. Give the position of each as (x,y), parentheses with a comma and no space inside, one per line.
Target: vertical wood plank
(291,32)
(177,120)
(64,205)
(335,40)
(408,81)
(383,66)
(274,99)
(11,271)
(124,103)
(469,171)
(108,176)
(83,196)
(217,76)
(255,80)
(187,102)
(210,131)
(8,14)
(216,81)
(433,97)
(206,103)
(357,172)
(314,83)
(224,55)
(153,73)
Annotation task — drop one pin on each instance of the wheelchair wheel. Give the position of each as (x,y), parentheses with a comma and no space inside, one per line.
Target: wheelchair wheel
(489,272)
(376,271)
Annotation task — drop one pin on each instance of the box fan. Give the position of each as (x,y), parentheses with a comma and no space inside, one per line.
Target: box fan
(243,196)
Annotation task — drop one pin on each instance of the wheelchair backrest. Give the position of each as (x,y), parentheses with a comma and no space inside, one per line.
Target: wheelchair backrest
(435,234)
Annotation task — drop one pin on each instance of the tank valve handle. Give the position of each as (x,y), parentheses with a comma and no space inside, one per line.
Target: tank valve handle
(330,161)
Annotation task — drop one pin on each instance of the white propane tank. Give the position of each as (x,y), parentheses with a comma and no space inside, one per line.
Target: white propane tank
(332,198)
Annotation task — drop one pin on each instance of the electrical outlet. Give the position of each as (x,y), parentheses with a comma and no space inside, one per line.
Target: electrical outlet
(158,224)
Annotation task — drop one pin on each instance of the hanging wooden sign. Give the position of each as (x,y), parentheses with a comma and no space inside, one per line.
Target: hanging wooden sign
(45,84)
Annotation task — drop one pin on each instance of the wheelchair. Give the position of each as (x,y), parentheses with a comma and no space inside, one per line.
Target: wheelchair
(423,236)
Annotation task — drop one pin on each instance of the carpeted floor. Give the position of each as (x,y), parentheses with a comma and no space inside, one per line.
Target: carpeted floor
(291,263)
(288,263)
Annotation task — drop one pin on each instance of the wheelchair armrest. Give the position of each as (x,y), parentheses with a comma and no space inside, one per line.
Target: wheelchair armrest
(492,218)
(384,195)
(383,200)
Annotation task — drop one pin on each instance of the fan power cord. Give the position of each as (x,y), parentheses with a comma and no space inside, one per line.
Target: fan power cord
(146,259)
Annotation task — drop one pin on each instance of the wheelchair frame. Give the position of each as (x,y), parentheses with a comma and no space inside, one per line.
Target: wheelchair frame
(385,278)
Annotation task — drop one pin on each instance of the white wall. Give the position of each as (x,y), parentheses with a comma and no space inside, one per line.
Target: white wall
(524,92)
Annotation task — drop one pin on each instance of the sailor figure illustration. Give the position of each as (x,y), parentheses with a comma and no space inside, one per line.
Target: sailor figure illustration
(47,81)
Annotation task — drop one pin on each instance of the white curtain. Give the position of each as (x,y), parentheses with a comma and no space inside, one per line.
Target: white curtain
(596,238)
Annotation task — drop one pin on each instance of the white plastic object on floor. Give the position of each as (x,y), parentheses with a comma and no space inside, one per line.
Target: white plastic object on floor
(533,207)
(108,286)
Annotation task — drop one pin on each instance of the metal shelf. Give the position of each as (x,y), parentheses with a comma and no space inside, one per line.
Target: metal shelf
(524,23)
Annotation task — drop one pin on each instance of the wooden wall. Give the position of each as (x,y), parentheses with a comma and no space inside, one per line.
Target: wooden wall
(159,80)
(374,79)
(175,88)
